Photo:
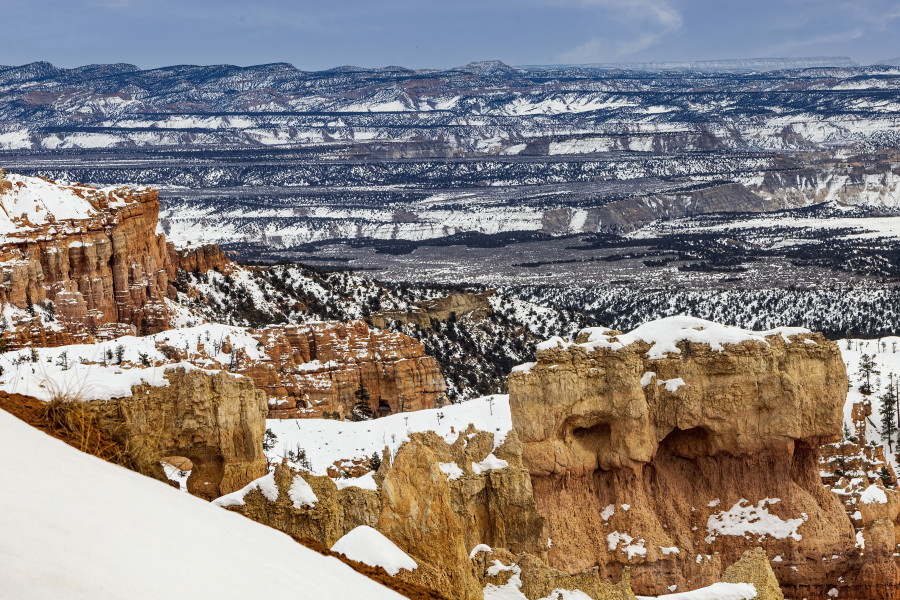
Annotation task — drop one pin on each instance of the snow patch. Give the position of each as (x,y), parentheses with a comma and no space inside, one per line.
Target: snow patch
(265,484)
(301,494)
(873,495)
(490,463)
(746,519)
(451,470)
(370,547)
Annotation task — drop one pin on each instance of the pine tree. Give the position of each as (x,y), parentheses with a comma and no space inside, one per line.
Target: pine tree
(885,476)
(888,410)
(362,410)
(867,368)
(895,385)
(375,461)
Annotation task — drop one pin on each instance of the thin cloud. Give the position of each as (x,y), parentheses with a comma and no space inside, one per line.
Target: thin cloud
(646,23)
(831,38)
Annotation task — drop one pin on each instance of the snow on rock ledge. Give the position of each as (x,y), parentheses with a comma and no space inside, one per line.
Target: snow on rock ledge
(716,591)
(664,335)
(366,545)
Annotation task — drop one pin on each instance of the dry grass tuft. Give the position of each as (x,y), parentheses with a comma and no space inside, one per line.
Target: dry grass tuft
(79,426)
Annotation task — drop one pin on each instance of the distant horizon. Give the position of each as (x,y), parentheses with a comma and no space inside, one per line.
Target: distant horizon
(316,35)
(639,65)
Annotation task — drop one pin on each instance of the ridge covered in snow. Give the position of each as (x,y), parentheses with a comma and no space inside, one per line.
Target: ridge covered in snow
(31,202)
(664,335)
(322,442)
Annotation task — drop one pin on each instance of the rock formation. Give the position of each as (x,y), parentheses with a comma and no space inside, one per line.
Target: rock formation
(93,253)
(199,259)
(318,367)
(217,421)
(753,567)
(435,518)
(684,443)
(533,578)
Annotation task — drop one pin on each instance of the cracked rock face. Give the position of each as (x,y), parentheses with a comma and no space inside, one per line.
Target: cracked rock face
(678,446)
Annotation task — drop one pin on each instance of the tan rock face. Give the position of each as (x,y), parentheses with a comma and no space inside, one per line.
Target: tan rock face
(199,259)
(666,463)
(216,421)
(537,580)
(416,513)
(753,567)
(106,266)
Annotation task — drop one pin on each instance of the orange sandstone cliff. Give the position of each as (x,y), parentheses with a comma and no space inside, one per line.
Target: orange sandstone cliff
(93,253)
(678,446)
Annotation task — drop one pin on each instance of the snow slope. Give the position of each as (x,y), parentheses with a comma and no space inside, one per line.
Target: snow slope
(33,201)
(77,527)
(886,354)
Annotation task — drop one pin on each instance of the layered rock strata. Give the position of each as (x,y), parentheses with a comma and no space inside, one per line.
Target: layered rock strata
(682,444)
(200,259)
(93,253)
(318,367)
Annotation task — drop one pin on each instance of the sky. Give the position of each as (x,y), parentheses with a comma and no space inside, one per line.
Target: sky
(319,34)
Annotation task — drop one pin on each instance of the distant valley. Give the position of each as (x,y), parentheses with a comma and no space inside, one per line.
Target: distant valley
(590,188)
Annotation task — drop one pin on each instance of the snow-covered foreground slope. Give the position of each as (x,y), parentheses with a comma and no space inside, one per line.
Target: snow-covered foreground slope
(74,527)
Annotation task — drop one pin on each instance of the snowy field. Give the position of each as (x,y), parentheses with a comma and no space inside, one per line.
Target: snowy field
(109,369)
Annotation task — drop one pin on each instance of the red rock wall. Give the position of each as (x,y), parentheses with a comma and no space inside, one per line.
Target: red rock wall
(393,367)
(110,268)
(199,259)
